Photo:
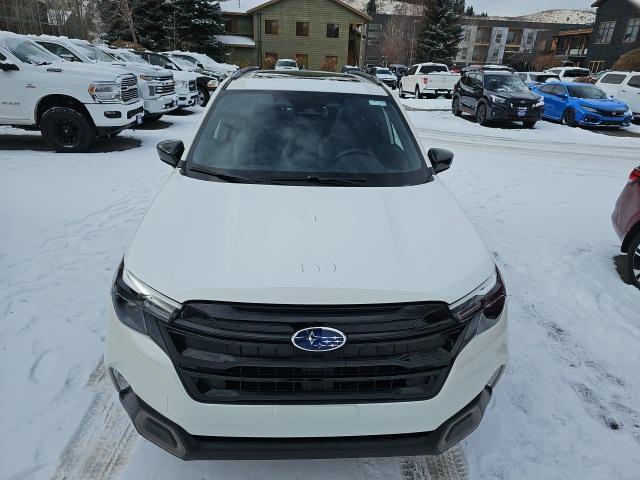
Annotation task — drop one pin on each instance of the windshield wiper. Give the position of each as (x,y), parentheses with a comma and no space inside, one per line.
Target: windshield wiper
(320,180)
(225,176)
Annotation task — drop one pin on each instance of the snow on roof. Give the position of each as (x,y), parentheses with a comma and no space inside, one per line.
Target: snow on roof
(236,40)
(581,17)
(248,6)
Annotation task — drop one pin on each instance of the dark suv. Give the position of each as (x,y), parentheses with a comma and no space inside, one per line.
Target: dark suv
(496,96)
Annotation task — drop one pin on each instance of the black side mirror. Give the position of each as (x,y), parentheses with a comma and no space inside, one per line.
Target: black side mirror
(440,158)
(7,67)
(170,151)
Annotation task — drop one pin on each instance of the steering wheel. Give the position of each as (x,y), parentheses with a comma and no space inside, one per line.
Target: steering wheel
(353,151)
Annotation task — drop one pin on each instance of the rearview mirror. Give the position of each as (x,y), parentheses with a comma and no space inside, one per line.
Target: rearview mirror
(6,66)
(440,158)
(170,151)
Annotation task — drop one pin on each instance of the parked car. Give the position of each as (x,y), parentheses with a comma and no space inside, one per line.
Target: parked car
(504,68)
(398,70)
(625,86)
(156,87)
(428,79)
(286,64)
(69,103)
(225,349)
(206,81)
(185,82)
(385,76)
(626,222)
(350,69)
(569,73)
(582,104)
(204,62)
(533,79)
(369,68)
(496,96)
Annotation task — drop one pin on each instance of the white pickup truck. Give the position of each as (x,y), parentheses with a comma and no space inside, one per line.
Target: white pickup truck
(625,86)
(69,103)
(428,80)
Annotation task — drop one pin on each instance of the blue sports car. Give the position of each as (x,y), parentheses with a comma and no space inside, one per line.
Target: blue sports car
(582,104)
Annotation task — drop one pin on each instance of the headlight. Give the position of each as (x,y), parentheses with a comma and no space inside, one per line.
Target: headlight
(540,103)
(212,83)
(482,307)
(134,301)
(589,109)
(148,78)
(182,84)
(497,99)
(628,113)
(105,91)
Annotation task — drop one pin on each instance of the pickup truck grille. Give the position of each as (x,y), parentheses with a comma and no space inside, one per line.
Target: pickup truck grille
(129,88)
(192,85)
(242,353)
(166,88)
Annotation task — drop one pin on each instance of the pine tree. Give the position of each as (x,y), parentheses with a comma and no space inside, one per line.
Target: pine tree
(470,12)
(441,31)
(197,22)
(370,9)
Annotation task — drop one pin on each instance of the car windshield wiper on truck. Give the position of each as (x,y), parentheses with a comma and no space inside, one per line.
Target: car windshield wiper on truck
(225,176)
(320,180)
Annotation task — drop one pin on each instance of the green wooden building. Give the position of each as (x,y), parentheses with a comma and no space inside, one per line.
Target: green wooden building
(319,34)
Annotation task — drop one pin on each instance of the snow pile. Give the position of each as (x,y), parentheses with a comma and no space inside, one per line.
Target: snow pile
(236,40)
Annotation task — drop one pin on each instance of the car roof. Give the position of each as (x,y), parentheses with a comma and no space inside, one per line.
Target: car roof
(286,60)
(307,81)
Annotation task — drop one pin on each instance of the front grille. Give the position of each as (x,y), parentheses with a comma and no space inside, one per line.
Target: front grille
(192,85)
(129,88)
(166,88)
(243,352)
(609,113)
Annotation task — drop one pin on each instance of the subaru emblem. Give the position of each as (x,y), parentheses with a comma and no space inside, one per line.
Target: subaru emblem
(318,339)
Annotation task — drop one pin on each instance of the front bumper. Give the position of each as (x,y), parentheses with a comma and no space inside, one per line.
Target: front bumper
(593,119)
(107,115)
(171,437)
(154,379)
(187,99)
(160,105)
(507,113)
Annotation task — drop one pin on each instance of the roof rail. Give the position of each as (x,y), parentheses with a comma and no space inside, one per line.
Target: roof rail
(366,76)
(243,71)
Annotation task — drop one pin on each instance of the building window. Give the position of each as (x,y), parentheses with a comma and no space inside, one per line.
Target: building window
(271,27)
(231,25)
(302,29)
(606,32)
(596,65)
(330,63)
(270,60)
(375,27)
(373,41)
(302,59)
(631,34)
(333,30)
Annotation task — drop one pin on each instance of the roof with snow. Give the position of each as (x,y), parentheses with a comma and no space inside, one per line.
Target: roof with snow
(236,40)
(567,16)
(249,6)
(389,7)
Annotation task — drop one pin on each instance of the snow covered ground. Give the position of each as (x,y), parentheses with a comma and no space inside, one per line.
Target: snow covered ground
(567,408)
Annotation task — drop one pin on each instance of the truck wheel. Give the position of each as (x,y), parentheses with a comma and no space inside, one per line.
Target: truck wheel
(203,96)
(481,115)
(455,107)
(529,123)
(66,129)
(569,117)
(633,261)
(152,117)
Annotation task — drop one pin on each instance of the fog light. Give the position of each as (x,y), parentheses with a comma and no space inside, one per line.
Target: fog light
(118,380)
(112,114)
(495,378)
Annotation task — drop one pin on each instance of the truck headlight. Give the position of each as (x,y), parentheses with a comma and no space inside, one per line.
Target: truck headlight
(148,78)
(589,109)
(107,92)
(497,99)
(134,301)
(182,84)
(213,83)
(539,103)
(482,307)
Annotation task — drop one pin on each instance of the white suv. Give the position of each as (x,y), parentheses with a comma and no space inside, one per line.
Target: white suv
(332,299)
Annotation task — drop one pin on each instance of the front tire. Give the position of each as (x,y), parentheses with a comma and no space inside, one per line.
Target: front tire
(481,115)
(66,130)
(529,123)
(569,117)
(633,261)
(455,107)
(152,117)
(203,96)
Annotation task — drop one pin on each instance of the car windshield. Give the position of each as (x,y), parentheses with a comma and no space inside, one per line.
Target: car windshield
(586,91)
(576,72)
(544,77)
(94,53)
(30,52)
(188,60)
(131,57)
(504,83)
(384,71)
(183,64)
(286,63)
(302,137)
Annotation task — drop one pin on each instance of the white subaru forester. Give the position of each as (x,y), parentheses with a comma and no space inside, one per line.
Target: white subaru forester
(304,285)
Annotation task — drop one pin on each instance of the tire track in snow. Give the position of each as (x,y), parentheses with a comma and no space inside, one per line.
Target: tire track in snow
(450,465)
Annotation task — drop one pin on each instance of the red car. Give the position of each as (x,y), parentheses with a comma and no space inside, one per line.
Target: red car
(626,222)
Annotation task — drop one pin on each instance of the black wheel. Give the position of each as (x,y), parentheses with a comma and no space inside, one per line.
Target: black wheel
(529,123)
(402,95)
(569,117)
(203,96)
(455,107)
(66,129)
(448,95)
(633,261)
(481,115)
(152,117)
(417,92)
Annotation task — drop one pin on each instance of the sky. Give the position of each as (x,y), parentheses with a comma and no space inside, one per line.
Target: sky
(522,7)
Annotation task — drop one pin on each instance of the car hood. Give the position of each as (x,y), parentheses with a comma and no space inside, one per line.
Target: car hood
(607,104)
(528,95)
(307,244)
(93,71)
(140,68)
(386,76)
(183,75)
